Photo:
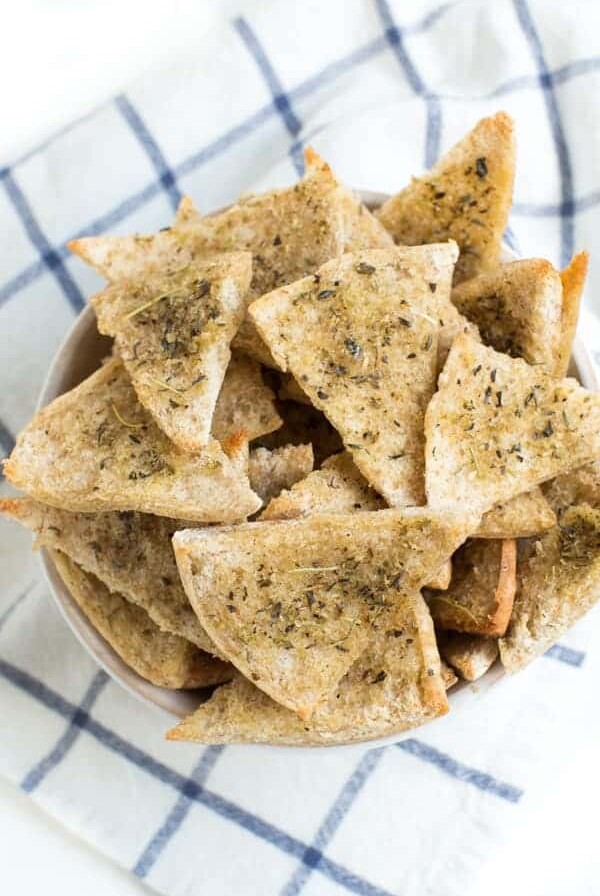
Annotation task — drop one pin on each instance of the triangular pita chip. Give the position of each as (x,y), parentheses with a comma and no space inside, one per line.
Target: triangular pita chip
(359,340)
(470,655)
(272,471)
(396,684)
(131,553)
(480,596)
(517,309)
(496,427)
(96,448)
(527,514)
(245,404)
(293,603)
(162,658)
(173,334)
(559,580)
(465,197)
(290,232)
(303,424)
(573,281)
(578,487)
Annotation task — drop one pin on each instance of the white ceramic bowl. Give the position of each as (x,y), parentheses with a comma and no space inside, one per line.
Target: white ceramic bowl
(79,355)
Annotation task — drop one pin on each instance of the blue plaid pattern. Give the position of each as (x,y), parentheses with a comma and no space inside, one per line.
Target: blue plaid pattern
(378,40)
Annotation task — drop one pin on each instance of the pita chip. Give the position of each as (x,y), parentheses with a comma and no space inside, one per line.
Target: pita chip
(559,581)
(470,655)
(303,424)
(293,603)
(581,486)
(96,448)
(466,197)
(164,659)
(173,334)
(272,471)
(131,553)
(245,404)
(394,685)
(480,596)
(573,282)
(497,427)
(373,367)
(521,517)
(517,309)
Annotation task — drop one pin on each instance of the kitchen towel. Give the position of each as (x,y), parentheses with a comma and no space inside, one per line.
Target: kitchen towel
(380,89)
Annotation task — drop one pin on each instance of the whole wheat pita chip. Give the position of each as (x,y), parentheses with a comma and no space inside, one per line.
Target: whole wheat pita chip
(559,581)
(465,197)
(162,658)
(173,334)
(338,487)
(96,448)
(517,309)
(573,281)
(131,553)
(470,655)
(293,603)
(521,517)
(578,487)
(396,684)
(245,404)
(497,427)
(290,232)
(480,596)
(303,424)
(373,367)
(272,471)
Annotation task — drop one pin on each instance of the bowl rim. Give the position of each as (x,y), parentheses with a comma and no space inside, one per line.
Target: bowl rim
(179,703)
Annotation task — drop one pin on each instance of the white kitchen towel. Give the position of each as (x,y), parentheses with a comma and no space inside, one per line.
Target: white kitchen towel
(379,88)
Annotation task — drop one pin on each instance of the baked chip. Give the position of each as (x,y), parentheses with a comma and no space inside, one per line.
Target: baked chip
(164,659)
(497,427)
(470,655)
(272,471)
(96,448)
(173,335)
(245,404)
(517,309)
(559,581)
(573,281)
(131,553)
(303,424)
(578,487)
(465,197)
(521,517)
(394,685)
(293,603)
(480,597)
(373,366)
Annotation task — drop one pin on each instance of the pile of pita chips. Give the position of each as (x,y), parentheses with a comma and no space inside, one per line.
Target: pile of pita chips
(332,466)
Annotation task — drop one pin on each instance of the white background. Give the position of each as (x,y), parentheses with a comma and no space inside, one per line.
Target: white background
(59,59)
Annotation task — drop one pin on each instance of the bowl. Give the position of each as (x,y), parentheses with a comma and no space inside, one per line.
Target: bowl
(78,356)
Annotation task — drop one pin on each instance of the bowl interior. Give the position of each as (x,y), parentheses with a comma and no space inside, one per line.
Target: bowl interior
(79,355)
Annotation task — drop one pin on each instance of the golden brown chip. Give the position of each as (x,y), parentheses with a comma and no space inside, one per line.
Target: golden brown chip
(272,471)
(573,281)
(162,658)
(527,514)
(173,333)
(559,580)
(517,309)
(358,339)
(245,404)
(96,448)
(396,684)
(480,596)
(465,197)
(293,603)
(470,655)
(131,553)
(497,427)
